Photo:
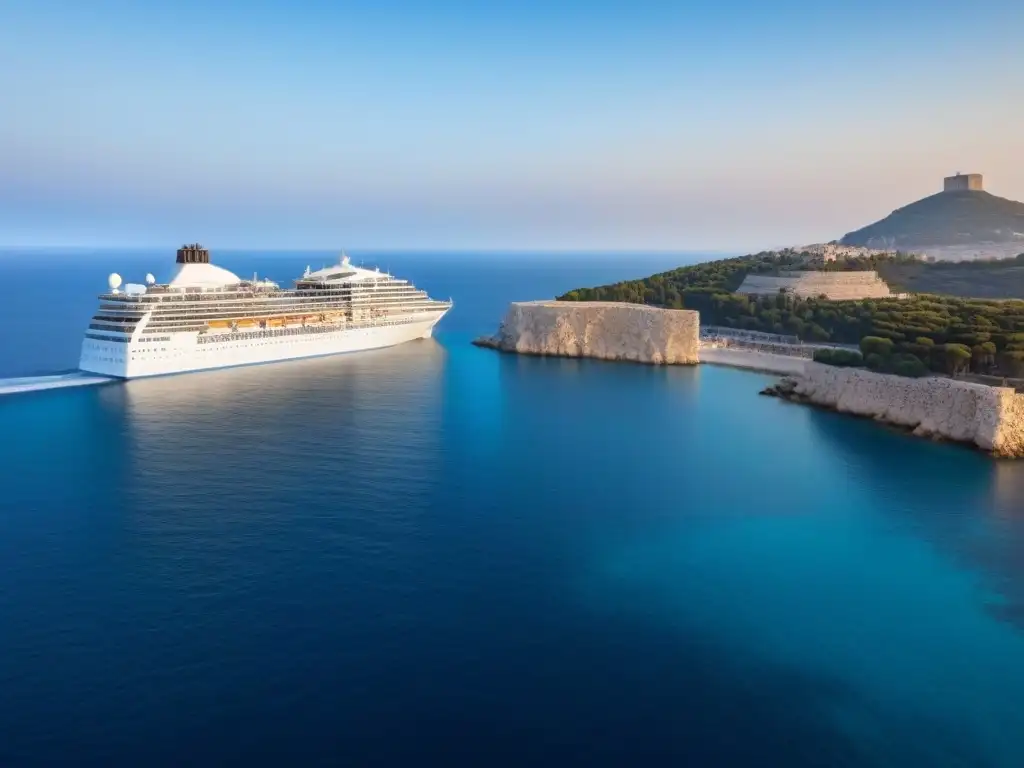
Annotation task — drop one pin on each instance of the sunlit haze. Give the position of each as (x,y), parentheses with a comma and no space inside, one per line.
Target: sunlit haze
(727,125)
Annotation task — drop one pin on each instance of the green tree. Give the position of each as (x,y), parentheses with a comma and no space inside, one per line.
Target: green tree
(907,365)
(983,357)
(876,345)
(956,358)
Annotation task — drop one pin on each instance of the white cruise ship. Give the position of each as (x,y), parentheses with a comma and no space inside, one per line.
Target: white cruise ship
(206,317)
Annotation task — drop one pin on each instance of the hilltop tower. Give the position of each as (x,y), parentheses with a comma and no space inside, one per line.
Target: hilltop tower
(963,181)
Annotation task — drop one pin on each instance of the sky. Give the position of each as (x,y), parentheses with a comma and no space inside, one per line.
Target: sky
(608,124)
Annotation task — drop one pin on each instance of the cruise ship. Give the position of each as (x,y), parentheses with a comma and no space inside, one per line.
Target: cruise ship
(206,317)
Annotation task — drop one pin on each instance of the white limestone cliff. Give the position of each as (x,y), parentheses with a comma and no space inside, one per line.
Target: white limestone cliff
(604,330)
(992,418)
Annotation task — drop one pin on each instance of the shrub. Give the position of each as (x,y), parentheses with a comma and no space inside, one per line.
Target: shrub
(907,365)
(844,358)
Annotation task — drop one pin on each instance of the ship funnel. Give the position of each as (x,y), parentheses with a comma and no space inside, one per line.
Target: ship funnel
(193,253)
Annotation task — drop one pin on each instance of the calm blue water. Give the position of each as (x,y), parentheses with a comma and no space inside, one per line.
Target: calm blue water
(439,553)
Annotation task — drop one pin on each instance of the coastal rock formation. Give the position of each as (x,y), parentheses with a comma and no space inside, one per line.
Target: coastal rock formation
(605,330)
(991,418)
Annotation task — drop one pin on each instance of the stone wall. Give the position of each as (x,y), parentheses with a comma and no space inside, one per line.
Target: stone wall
(605,330)
(837,286)
(991,418)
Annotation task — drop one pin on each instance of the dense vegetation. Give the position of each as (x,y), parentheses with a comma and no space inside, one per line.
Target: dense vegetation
(692,286)
(917,359)
(943,333)
(997,279)
(947,218)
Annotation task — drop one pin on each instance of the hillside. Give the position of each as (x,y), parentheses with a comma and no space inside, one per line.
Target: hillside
(1002,279)
(961,218)
(691,287)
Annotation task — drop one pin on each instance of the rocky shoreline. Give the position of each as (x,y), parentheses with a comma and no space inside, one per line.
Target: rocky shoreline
(990,419)
(488,342)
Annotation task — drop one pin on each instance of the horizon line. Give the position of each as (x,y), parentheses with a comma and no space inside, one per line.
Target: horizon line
(377,249)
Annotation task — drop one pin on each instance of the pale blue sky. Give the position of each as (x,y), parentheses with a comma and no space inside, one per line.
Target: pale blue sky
(727,125)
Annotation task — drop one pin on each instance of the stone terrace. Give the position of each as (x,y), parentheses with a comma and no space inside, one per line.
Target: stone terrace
(837,286)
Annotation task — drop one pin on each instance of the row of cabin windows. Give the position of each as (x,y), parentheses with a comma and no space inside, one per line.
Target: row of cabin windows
(192,297)
(246,312)
(344,295)
(104,337)
(389,292)
(172,322)
(118,318)
(301,302)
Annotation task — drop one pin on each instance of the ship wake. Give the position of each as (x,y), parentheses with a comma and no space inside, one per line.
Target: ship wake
(18,385)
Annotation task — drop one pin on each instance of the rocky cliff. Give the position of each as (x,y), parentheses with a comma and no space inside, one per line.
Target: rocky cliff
(605,330)
(991,418)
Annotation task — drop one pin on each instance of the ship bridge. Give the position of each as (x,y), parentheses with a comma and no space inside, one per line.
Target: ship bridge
(342,272)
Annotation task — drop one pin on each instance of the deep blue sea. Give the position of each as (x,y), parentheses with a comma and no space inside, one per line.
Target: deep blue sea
(439,555)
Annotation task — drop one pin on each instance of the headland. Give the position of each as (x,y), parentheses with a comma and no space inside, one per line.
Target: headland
(602,330)
(893,333)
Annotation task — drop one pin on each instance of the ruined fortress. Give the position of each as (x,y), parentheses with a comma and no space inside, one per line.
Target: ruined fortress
(837,286)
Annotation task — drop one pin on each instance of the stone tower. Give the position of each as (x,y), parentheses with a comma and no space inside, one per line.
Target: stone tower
(962,181)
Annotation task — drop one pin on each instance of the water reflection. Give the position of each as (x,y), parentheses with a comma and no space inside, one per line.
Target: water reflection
(1008,488)
(296,383)
(231,459)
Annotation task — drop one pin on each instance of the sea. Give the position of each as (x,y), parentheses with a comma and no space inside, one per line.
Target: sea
(437,554)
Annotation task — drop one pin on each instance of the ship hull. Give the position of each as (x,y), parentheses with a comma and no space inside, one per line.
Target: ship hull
(186,353)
